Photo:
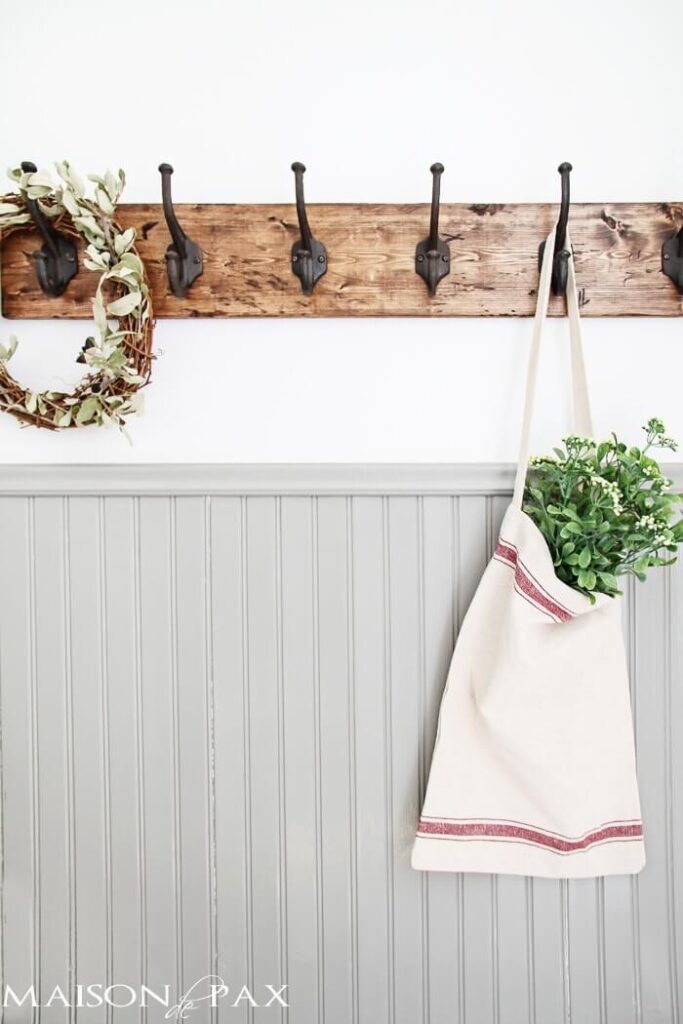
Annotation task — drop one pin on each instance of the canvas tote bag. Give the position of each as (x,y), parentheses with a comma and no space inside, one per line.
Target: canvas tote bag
(533,770)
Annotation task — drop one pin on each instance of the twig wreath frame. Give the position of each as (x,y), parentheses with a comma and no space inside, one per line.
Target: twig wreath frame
(120,355)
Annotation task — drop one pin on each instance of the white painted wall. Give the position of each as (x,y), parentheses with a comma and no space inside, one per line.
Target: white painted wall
(367,94)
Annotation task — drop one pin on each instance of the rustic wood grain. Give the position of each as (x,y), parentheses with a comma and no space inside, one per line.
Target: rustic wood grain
(371,272)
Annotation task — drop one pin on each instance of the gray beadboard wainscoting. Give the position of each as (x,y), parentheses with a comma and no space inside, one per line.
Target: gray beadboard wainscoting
(219,690)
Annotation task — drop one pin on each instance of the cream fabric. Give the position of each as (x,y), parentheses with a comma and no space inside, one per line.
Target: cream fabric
(533,770)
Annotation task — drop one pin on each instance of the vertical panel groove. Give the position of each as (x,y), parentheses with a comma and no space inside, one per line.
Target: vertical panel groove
(70,769)
(246,700)
(388,757)
(423,766)
(353,811)
(210,745)
(530,950)
(106,758)
(36,965)
(3,818)
(566,966)
(281,753)
(317,746)
(668,796)
(139,748)
(495,968)
(456,622)
(635,892)
(602,965)
(175,698)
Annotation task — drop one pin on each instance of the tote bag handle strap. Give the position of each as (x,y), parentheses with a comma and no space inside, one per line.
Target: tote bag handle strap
(581,406)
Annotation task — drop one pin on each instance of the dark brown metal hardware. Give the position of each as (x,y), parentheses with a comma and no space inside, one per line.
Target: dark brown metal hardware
(672,259)
(309,256)
(184,258)
(57,261)
(433,256)
(561,254)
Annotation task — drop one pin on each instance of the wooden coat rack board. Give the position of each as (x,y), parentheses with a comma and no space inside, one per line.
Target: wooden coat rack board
(371,261)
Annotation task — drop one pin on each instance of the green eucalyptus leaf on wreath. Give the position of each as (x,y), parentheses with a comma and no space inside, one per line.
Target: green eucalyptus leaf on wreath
(89,226)
(104,202)
(70,203)
(72,179)
(19,218)
(133,262)
(99,313)
(114,185)
(100,258)
(7,351)
(41,179)
(125,305)
(124,241)
(87,410)
(38,191)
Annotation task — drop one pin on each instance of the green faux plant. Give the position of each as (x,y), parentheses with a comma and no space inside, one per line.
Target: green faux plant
(605,510)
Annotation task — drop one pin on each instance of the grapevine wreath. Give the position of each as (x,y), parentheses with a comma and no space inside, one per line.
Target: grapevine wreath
(119,357)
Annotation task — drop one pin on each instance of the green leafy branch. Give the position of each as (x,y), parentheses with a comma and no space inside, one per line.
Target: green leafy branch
(605,510)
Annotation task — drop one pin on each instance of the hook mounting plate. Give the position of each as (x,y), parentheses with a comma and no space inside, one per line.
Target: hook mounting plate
(309,264)
(672,259)
(184,269)
(432,264)
(54,271)
(560,272)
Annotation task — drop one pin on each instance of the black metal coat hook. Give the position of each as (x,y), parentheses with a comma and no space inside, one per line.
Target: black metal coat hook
(184,258)
(672,259)
(432,256)
(57,260)
(309,256)
(561,254)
